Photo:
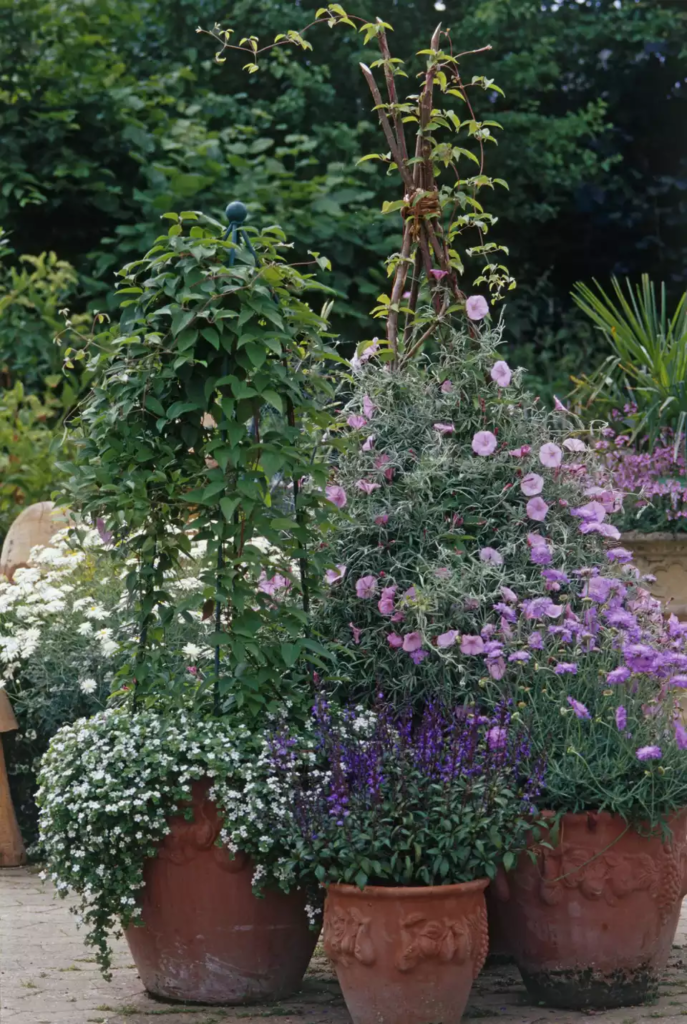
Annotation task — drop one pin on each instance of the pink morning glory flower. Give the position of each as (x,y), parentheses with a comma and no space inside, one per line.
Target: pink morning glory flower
(369,408)
(394,640)
(558,405)
(444,428)
(368,444)
(471,644)
(382,520)
(412,642)
(484,442)
(366,486)
(508,594)
(386,601)
(447,639)
(356,421)
(333,576)
(550,455)
(381,460)
(491,555)
(497,668)
(532,484)
(446,387)
(521,452)
(336,495)
(356,633)
(537,509)
(573,444)
(650,753)
(371,349)
(501,373)
(366,587)
(438,274)
(476,307)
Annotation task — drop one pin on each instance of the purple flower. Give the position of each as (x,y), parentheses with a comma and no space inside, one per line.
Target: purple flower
(538,607)
(579,709)
(418,656)
(621,555)
(501,373)
(476,307)
(532,484)
(537,509)
(519,656)
(491,555)
(621,718)
(368,445)
(333,576)
(598,589)
(680,736)
(592,512)
(438,274)
(497,668)
(564,668)
(649,753)
(620,618)
(573,444)
(541,554)
(105,535)
(618,675)
(366,587)
(679,681)
(484,442)
(366,486)
(356,421)
(445,429)
(356,633)
(447,387)
(412,642)
(471,644)
(336,495)
(394,640)
(535,641)
(555,576)
(521,452)
(641,657)
(497,737)
(508,594)
(447,639)
(382,520)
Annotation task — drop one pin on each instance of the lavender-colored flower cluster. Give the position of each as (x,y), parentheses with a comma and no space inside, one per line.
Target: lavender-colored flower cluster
(457,788)
(653,477)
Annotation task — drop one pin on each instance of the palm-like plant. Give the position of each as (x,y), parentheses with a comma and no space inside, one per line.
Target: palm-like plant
(648,357)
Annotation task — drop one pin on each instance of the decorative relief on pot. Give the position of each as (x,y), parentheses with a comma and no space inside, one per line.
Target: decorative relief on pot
(186,838)
(612,876)
(346,937)
(457,942)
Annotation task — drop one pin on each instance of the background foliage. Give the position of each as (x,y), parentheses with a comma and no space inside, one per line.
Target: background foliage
(112,112)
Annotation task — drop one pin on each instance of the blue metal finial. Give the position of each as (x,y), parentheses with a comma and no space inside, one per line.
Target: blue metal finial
(236,212)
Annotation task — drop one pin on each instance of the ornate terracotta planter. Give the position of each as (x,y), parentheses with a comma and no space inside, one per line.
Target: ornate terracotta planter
(591,921)
(206,938)
(406,956)
(664,555)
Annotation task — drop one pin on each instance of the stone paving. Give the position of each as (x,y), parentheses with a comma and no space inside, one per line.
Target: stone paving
(47,976)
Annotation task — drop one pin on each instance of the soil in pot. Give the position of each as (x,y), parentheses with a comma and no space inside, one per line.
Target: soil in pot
(591,921)
(206,938)
(406,955)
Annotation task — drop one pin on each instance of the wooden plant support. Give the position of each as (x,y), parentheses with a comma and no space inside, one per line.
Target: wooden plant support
(12,851)
(33,527)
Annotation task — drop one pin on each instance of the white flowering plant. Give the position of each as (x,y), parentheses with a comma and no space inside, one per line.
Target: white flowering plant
(66,635)
(108,786)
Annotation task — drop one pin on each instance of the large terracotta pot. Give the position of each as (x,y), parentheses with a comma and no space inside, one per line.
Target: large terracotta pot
(206,938)
(663,555)
(406,955)
(591,921)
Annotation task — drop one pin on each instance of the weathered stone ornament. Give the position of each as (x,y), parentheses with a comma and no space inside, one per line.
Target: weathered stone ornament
(34,527)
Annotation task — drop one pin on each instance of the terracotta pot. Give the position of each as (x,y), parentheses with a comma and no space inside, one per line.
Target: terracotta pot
(406,955)
(206,938)
(591,921)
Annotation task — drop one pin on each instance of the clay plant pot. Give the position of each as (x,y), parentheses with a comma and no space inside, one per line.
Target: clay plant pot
(406,955)
(206,938)
(591,920)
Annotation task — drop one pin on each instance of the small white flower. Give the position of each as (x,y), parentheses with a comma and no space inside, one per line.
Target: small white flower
(88,685)
(192,650)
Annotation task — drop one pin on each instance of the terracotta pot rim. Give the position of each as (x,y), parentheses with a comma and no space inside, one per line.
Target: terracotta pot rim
(388,892)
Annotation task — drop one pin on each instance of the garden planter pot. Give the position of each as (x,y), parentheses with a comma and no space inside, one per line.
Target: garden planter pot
(591,921)
(406,955)
(205,937)
(663,555)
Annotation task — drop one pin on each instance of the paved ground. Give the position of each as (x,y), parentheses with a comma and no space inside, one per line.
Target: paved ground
(48,977)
